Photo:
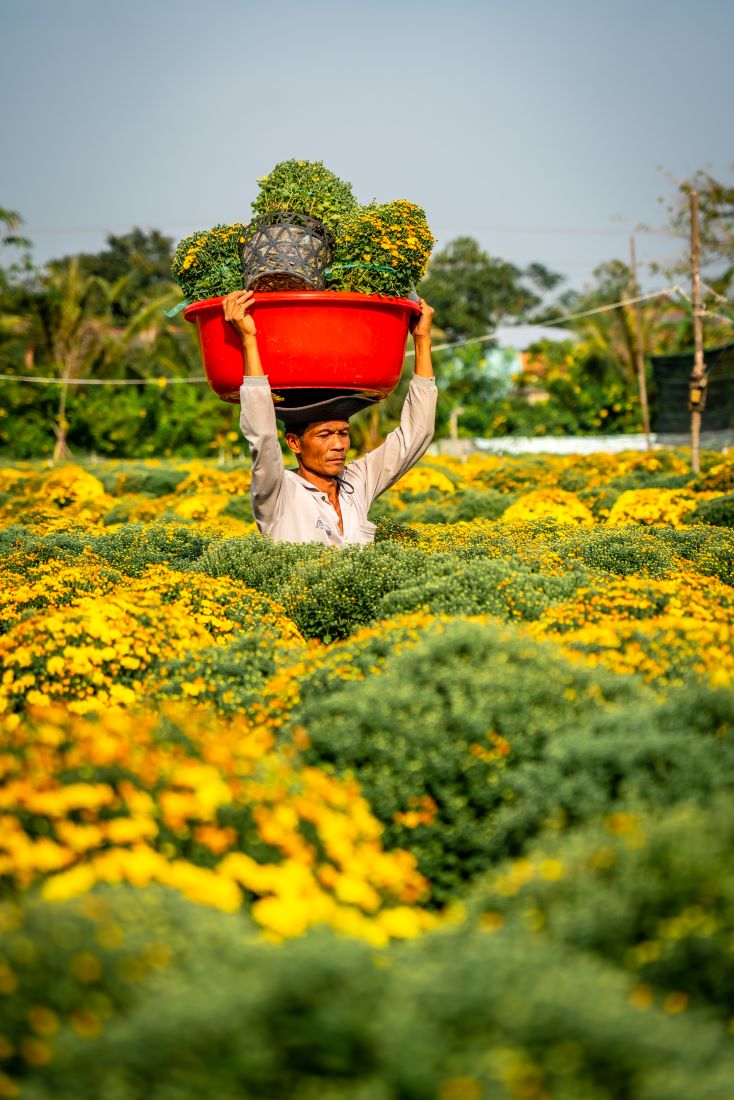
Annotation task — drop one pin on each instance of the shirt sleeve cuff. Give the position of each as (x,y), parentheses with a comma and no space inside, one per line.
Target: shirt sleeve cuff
(255,381)
(423,383)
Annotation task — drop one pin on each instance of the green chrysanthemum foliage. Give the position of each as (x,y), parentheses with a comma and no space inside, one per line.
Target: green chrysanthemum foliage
(650,891)
(232,676)
(382,250)
(305,187)
(491,1014)
(327,592)
(718,512)
(207,263)
(130,548)
(503,588)
(433,506)
(261,564)
(471,742)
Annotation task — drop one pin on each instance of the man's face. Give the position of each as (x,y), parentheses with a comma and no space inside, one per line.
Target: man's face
(322,449)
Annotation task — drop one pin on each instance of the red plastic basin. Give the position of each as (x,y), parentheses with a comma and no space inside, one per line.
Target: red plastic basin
(309,340)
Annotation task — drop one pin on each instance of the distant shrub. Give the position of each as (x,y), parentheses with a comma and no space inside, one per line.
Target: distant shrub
(717,513)
(390,530)
(719,477)
(648,479)
(488,504)
(120,513)
(240,508)
(133,546)
(436,507)
(154,481)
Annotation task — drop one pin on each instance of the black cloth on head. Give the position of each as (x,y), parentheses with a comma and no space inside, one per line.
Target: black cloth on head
(302,407)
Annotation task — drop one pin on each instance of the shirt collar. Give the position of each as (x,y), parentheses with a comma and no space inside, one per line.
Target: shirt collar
(341,482)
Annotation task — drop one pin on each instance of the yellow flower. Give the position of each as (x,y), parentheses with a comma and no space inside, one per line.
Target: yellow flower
(43,1020)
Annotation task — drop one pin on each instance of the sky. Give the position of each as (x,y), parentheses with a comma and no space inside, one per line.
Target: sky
(548,131)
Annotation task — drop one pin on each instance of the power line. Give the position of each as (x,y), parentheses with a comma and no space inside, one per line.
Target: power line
(546,323)
(560,320)
(161,382)
(442,226)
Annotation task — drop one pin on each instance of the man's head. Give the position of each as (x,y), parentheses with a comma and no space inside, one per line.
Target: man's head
(320,446)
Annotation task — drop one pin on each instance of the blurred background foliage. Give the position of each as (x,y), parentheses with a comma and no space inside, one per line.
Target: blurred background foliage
(103,316)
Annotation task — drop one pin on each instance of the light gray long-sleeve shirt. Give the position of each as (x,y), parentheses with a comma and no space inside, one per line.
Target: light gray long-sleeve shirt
(287,508)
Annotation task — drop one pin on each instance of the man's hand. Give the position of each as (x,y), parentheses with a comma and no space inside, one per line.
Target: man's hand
(422,326)
(422,340)
(236,306)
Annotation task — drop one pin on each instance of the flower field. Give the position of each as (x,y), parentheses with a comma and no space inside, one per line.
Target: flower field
(446,817)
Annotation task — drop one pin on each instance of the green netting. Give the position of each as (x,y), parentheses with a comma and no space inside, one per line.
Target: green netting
(671,374)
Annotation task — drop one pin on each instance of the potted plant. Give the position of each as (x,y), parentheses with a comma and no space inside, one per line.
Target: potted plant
(290,243)
(358,265)
(207,263)
(381,250)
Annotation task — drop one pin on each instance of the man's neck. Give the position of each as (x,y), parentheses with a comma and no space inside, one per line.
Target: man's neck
(323,482)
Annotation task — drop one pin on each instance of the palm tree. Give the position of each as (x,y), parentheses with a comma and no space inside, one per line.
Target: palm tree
(70,324)
(73,323)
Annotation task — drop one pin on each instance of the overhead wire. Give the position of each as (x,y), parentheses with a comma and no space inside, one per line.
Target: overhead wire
(548,322)
(163,381)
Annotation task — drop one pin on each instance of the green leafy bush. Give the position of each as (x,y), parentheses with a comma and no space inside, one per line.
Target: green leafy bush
(709,549)
(306,187)
(153,481)
(328,598)
(207,263)
(129,548)
(435,507)
(501,736)
(450,720)
(218,1013)
(653,893)
(627,552)
(328,593)
(505,588)
(261,564)
(718,512)
(231,677)
(132,547)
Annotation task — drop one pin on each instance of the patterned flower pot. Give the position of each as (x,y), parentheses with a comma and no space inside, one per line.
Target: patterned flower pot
(286,251)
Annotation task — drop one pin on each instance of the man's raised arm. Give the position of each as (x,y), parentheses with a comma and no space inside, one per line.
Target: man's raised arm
(405,445)
(257,414)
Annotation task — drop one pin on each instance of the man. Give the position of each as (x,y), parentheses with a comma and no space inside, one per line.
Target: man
(325,500)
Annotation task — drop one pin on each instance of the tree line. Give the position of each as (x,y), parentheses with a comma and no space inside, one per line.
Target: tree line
(103,315)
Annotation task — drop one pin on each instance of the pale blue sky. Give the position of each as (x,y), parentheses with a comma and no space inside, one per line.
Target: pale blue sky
(539,128)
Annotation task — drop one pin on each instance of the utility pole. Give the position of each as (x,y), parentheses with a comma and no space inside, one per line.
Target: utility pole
(698,380)
(639,350)
(454,422)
